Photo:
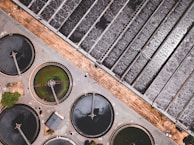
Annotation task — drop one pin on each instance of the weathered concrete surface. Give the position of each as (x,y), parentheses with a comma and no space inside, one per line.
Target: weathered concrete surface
(99,75)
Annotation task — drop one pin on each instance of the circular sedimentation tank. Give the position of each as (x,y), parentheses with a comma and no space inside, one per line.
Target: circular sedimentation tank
(25,118)
(132,134)
(92,115)
(16,54)
(59,140)
(52,83)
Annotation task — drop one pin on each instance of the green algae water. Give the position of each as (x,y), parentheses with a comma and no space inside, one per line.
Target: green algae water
(61,80)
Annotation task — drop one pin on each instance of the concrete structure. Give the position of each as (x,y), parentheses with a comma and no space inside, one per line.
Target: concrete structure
(81,84)
(54,121)
(140,43)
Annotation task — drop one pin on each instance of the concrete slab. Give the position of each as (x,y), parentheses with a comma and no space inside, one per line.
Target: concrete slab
(123,114)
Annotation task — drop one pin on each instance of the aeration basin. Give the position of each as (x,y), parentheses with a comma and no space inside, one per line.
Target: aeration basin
(52,83)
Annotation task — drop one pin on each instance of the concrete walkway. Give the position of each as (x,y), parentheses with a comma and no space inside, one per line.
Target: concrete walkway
(123,114)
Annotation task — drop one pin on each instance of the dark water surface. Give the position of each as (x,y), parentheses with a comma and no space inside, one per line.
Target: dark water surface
(103,115)
(23,115)
(132,136)
(25,54)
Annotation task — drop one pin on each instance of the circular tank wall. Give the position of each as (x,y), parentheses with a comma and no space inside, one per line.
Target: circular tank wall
(16,54)
(132,134)
(52,83)
(21,115)
(92,115)
(59,140)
